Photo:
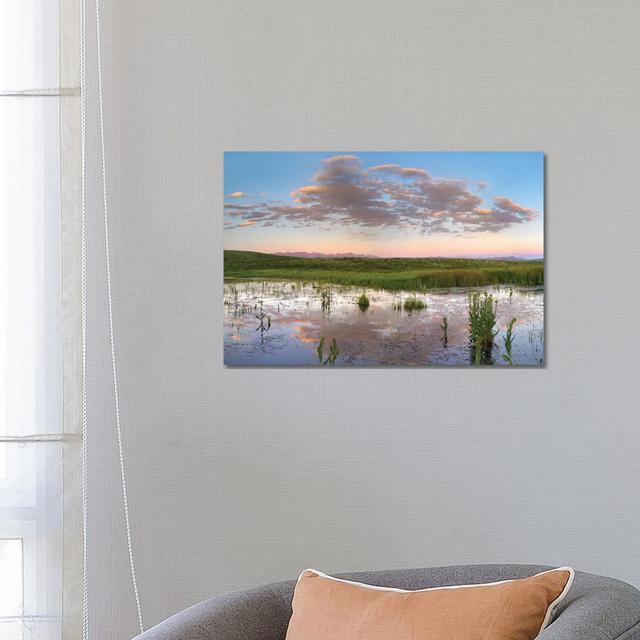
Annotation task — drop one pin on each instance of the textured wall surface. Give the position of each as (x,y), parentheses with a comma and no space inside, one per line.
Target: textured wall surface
(238,477)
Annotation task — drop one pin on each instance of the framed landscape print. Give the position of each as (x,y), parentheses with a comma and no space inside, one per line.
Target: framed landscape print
(384,259)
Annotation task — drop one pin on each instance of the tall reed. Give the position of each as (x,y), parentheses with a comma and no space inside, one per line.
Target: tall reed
(334,352)
(445,330)
(482,322)
(508,342)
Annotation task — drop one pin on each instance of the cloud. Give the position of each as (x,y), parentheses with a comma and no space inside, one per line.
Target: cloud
(402,171)
(508,206)
(505,213)
(241,207)
(387,195)
(237,194)
(343,193)
(339,168)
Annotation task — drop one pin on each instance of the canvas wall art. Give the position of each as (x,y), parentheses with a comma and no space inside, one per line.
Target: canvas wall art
(384,259)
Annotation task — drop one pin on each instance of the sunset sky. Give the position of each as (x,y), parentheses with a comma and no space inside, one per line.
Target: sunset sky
(387,204)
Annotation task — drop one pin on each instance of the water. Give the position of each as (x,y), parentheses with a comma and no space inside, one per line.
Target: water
(281,323)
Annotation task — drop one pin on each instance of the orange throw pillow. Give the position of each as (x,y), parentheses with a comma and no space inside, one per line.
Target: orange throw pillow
(326,608)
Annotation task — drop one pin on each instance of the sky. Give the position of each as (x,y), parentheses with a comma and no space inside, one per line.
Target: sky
(386,204)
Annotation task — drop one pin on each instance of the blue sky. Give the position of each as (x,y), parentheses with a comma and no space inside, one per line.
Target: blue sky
(385,203)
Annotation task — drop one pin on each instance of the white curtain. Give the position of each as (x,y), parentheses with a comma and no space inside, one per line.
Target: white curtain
(39,376)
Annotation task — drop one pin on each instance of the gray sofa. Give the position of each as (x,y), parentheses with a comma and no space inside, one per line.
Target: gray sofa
(596,608)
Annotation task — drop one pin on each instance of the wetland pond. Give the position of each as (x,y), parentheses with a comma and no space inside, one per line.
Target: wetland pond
(278,323)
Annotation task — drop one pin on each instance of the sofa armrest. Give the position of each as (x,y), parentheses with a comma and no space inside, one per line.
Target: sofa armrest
(597,608)
(259,614)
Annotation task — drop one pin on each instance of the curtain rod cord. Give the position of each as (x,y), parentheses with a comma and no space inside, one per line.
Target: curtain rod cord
(114,369)
(83,313)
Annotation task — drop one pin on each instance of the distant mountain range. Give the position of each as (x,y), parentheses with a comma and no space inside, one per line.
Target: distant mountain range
(511,258)
(315,254)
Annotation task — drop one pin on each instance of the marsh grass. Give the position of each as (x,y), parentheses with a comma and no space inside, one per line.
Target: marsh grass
(508,342)
(326,297)
(334,352)
(482,322)
(445,331)
(363,302)
(262,327)
(414,304)
(477,351)
(395,274)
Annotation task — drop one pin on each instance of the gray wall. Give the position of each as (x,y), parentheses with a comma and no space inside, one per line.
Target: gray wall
(237,476)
